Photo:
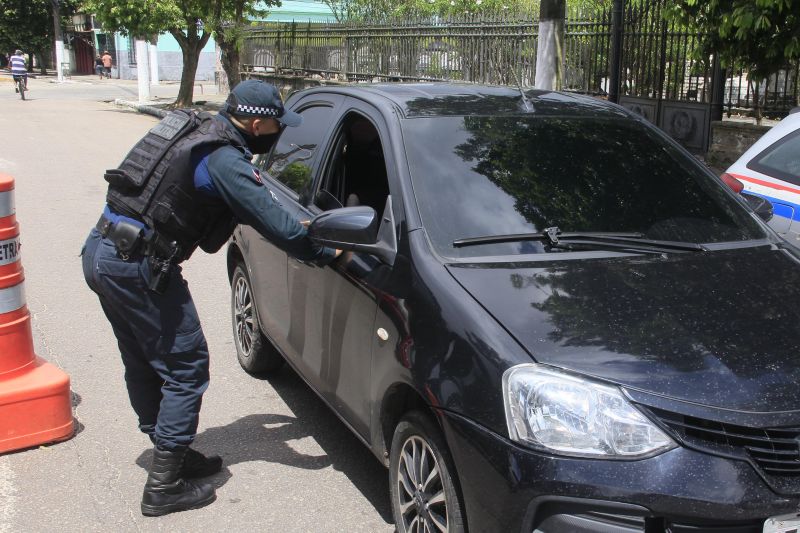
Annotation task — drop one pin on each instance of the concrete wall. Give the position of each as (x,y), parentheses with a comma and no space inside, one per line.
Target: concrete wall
(170,60)
(729,140)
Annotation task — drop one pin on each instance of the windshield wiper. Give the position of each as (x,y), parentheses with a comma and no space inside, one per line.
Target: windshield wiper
(555,238)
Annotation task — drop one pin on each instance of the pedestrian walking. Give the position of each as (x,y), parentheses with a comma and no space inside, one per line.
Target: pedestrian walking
(98,66)
(107,62)
(184,185)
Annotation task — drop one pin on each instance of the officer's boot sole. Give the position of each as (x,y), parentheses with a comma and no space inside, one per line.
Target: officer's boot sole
(161,510)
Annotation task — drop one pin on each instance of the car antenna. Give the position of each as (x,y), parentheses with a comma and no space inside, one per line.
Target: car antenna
(525,105)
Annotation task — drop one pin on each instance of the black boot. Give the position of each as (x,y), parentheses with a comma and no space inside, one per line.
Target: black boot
(166,492)
(196,465)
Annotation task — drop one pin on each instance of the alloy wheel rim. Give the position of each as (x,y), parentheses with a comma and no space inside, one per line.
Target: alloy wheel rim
(420,492)
(243,316)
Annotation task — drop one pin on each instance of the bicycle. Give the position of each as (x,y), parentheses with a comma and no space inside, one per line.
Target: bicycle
(22,86)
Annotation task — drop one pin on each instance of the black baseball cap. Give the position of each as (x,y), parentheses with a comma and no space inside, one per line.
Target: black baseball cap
(255,98)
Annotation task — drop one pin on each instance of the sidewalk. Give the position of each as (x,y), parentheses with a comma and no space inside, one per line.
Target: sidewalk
(163,95)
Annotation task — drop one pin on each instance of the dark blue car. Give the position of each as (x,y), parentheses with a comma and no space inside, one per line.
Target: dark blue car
(550,317)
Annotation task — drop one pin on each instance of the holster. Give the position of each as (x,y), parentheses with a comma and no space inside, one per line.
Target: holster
(128,238)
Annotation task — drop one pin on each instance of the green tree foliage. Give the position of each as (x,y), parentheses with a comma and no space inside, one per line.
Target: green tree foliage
(28,25)
(357,10)
(361,10)
(188,21)
(761,35)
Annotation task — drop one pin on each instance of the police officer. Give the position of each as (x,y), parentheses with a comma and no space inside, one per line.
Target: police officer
(184,185)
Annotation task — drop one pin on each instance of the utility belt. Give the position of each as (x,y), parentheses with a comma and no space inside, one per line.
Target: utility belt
(130,239)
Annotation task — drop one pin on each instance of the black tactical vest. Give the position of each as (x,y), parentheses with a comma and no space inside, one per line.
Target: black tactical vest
(155,183)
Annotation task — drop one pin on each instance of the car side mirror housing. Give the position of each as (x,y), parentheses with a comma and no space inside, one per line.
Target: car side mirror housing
(761,206)
(345,226)
(358,229)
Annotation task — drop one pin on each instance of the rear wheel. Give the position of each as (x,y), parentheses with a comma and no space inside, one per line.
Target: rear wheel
(21,88)
(422,479)
(255,352)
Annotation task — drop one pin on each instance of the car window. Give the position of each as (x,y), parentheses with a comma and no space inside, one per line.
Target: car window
(780,160)
(484,176)
(356,173)
(290,161)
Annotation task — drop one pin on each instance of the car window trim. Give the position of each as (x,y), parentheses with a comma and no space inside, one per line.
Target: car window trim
(755,163)
(316,100)
(333,140)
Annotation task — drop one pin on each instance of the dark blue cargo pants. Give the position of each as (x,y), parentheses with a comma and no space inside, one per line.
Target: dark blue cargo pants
(162,345)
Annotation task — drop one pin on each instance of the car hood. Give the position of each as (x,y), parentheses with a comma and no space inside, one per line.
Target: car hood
(718,328)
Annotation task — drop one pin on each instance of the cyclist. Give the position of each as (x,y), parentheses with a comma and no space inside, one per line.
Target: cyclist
(19,69)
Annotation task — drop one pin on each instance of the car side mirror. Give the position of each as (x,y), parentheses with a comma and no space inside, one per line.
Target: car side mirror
(358,229)
(761,206)
(345,226)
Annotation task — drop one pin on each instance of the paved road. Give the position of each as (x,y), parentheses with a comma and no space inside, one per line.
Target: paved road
(290,465)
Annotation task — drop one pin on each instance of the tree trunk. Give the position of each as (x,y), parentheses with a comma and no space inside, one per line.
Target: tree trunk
(230,62)
(191,46)
(229,41)
(756,101)
(191,56)
(549,74)
(43,53)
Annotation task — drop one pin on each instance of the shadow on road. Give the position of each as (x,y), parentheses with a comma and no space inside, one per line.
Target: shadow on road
(265,437)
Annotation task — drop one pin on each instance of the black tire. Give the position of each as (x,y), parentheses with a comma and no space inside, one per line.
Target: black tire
(435,500)
(254,350)
(21,87)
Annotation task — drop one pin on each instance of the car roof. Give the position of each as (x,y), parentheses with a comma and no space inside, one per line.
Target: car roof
(460,99)
(780,130)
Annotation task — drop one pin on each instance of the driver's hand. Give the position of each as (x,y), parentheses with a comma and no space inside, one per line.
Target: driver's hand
(305,223)
(338,253)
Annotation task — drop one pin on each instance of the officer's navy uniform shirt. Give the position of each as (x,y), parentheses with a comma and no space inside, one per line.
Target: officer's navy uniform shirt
(224,172)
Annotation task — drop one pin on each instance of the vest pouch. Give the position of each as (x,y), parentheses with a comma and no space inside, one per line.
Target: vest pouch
(161,213)
(122,180)
(218,235)
(178,209)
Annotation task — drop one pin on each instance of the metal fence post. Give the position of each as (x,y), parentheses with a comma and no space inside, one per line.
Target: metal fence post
(717,88)
(616,50)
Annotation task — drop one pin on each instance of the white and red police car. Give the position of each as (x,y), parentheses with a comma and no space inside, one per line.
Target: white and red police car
(771,169)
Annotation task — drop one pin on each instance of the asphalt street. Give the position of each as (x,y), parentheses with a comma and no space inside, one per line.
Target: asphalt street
(290,465)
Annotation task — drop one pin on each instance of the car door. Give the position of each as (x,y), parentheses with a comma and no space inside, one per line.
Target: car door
(339,301)
(288,173)
(778,167)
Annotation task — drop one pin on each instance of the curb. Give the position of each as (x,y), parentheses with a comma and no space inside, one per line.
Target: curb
(153,109)
(142,108)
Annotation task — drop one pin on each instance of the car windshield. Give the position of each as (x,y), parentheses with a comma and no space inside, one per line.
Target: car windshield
(484,176)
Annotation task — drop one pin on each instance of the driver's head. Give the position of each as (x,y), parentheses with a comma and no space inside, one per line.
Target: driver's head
(18,52)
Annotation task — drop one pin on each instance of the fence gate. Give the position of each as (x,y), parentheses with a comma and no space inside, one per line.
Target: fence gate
(661,80)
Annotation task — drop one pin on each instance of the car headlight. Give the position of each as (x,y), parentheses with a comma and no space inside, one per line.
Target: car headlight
(559,412)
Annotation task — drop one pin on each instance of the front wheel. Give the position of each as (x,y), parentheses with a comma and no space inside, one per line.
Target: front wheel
(255,352)
(422,479)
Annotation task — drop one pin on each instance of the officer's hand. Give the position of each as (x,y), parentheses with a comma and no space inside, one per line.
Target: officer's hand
(305,223)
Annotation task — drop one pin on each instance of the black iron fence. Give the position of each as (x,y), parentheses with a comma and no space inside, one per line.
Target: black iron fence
(658,60)
(488,48)
(777,95)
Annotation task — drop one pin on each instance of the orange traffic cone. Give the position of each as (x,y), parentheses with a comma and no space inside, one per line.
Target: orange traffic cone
(35,405)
